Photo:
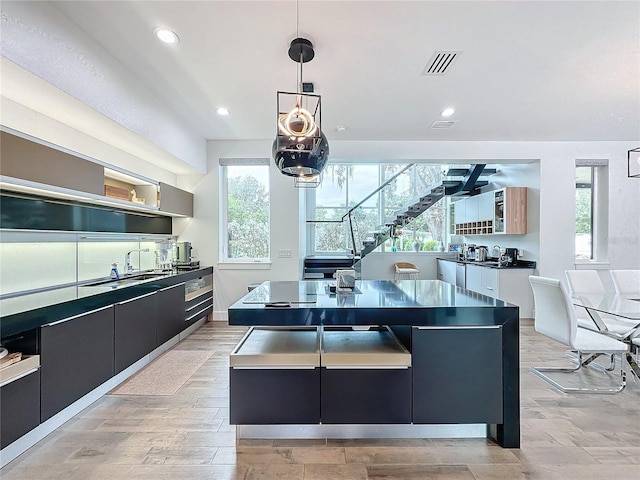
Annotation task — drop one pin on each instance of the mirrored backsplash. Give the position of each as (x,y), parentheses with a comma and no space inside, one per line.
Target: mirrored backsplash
(37,260)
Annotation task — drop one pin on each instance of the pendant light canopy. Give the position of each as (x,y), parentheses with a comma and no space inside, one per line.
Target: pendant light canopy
(300,149)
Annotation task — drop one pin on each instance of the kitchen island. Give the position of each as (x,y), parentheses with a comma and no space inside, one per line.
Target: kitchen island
(383,359)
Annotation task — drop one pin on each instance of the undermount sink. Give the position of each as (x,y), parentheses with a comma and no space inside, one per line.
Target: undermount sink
(125,280)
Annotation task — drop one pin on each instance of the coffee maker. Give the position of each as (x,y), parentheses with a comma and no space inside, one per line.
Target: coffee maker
(510,257)
(183,257)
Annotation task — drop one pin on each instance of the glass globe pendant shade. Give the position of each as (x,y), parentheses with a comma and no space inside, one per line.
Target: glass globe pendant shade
(301,156)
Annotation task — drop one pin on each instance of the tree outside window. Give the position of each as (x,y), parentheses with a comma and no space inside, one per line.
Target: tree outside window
(246,236)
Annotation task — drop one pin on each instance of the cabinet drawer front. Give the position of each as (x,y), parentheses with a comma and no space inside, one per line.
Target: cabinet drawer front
(19,408)
(264,396)
(135,330)
(76,356)
(490,282)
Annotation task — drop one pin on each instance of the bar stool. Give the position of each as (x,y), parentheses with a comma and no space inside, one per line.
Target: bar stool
(406,270)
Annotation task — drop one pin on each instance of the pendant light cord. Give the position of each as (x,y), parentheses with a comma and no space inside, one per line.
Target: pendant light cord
(298,79)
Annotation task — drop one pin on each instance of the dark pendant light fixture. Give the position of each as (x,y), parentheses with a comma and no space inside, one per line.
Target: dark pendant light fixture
(300,149)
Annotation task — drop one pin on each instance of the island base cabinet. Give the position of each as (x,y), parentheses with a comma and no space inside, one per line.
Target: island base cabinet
(76,356)
(366,396)
(457,375)
(19,407)
(366,377)
(274,377)
(135,332)
(274,396)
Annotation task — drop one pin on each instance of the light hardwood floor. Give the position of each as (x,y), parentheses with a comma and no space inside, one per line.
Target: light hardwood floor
(187,436)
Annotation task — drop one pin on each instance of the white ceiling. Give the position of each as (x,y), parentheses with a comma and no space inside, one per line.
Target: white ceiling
(530,71)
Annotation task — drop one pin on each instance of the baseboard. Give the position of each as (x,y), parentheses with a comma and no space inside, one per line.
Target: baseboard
(220,316)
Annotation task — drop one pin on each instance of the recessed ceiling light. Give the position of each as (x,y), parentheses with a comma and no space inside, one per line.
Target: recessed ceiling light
(447,112)
(166,35)
(222,111)
(341,129)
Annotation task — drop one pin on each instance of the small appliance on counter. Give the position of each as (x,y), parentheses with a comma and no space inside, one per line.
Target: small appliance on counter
(184,260)
(163,261)
(481,253)
(509,258)
(469,252)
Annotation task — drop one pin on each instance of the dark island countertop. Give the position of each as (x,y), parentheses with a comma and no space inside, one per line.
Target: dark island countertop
(373,302)
(26,312)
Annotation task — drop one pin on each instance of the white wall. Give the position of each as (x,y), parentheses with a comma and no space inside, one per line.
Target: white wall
(379,266)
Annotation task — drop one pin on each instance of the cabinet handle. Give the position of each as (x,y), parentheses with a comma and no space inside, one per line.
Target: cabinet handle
(198,304)
(136,298)
(197,313)
(460,327)
(366,367)
(172,286)
(76,316)
(490,288)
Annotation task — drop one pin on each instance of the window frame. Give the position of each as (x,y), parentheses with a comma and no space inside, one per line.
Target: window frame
(223,253)
(599,212)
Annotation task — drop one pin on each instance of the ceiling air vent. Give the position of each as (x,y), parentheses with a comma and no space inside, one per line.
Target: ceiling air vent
(440,62)
(443,124)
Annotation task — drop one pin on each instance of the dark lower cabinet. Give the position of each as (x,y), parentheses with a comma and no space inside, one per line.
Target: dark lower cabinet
(274,396)
(169,313)
(135,330)
(457,375)
(76,356)
(19,407)
(366,395)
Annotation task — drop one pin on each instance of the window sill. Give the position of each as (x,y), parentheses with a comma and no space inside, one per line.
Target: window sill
(591,265)
(244,265)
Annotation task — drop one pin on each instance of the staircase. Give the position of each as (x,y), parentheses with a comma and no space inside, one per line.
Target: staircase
(458,182)
(469,183)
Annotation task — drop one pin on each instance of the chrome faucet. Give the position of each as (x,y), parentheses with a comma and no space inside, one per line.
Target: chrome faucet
(127,260)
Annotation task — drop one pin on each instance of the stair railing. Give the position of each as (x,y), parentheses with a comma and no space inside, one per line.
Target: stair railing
(349,213)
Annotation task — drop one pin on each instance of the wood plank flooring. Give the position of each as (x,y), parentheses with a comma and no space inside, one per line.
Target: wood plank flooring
(187,435)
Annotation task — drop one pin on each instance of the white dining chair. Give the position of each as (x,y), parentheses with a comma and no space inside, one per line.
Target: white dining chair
(588,282)
(555,318)
(626,281)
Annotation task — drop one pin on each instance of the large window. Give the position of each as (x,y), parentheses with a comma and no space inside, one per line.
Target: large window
(244,210)
(591,210)
(347,185)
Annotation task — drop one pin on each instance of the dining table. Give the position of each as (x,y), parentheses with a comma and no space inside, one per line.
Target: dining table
(624,307)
